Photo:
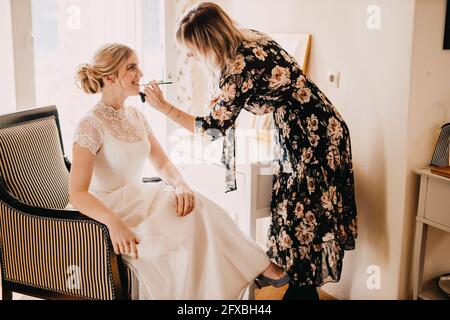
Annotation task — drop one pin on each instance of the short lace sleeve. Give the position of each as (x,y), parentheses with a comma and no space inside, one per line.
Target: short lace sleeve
(88,134)
(144,121)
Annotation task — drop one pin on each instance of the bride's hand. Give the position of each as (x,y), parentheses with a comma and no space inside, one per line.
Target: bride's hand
(155,97)
(123,239)
(185,200)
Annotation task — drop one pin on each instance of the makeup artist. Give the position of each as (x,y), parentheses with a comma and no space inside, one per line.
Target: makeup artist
(314,218)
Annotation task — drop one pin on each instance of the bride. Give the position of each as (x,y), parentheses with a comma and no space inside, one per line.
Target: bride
(179,244)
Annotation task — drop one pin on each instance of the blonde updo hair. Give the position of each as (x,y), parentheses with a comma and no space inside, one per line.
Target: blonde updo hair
(107,60)
(207,29)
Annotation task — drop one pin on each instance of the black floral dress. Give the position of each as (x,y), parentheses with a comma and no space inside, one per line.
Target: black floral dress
(313,203)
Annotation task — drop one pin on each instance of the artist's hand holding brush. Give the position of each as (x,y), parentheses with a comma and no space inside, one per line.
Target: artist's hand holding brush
(155,98)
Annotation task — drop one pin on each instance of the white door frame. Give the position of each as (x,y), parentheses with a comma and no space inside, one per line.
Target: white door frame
(7,85)
(22,26)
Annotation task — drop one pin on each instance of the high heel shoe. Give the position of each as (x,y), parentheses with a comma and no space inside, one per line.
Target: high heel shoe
(262,281)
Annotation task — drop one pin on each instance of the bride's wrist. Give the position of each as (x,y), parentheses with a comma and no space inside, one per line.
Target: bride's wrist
(111,221)
(180,185)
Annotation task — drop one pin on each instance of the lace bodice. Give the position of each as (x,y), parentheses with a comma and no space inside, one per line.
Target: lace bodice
(127,125)
(119,141)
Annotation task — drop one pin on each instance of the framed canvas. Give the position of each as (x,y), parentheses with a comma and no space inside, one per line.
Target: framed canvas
(297,44)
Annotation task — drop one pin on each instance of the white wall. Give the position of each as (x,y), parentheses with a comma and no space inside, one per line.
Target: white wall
(23,54)
(7,86)
(374,100)
(7,91)
(429,110)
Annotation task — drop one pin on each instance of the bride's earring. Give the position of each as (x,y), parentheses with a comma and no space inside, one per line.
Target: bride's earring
(110,79)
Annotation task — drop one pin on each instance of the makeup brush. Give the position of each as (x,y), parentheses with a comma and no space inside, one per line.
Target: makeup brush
(143,97)
(159,82)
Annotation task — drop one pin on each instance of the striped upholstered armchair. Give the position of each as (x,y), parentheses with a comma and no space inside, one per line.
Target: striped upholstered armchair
(46,251)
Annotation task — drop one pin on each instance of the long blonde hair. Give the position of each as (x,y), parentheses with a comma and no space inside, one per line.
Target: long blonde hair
(210,32)
(107,60)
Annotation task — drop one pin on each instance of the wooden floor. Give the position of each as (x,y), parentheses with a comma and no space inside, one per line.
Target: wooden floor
(267,293)
(271,293)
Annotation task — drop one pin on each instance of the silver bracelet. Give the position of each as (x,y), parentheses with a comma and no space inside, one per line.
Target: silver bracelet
(169,111)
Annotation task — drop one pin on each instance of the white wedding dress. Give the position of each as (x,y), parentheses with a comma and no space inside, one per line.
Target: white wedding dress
(201,256)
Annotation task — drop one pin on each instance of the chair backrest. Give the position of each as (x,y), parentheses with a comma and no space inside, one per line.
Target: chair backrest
(441,154)
(32,163)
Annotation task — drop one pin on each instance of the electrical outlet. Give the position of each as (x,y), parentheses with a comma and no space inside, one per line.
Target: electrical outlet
(333,79)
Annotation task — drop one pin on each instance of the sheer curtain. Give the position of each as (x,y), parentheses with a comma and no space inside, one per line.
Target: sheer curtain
(190,93)
(185,68)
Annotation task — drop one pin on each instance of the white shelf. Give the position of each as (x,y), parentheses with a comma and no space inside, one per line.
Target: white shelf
(432,211)
(431,292)
(433,224)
